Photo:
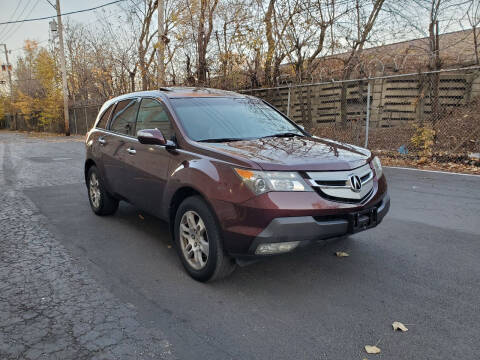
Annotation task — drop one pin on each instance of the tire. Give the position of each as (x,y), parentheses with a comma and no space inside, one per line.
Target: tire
(101,202)
(191,244)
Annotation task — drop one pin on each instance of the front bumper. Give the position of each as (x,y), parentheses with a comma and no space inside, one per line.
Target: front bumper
(309,229)
(276,217)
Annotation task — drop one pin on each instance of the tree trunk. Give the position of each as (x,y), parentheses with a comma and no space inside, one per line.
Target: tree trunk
(132,81)
(203,37)
(142,66)
(421,100)
(309,125)
(270,43)
(343,105)
(276,68)
(435,64)
(475,44)
(343,96)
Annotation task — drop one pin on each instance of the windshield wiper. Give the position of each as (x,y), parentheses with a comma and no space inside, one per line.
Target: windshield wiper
(285,134)
(219,140)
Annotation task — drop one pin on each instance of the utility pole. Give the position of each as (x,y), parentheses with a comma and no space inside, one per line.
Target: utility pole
(64,69)
(161,43)
(10,84)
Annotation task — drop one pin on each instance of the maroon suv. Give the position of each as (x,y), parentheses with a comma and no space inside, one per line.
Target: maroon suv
(234,177)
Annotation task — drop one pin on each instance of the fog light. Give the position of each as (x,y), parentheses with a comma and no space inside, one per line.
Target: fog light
(276,248)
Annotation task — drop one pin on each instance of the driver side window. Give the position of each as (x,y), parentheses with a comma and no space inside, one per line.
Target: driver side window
(153,114)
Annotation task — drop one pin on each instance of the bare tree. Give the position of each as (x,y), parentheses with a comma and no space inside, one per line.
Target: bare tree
(233,17)
(473,15)
(141,22)
(269,15)
(201,18)
(362,27)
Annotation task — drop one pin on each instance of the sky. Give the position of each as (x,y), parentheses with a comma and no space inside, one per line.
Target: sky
(14,35)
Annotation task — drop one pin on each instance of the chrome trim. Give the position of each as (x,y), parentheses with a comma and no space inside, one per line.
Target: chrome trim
(109,132)
(320,180)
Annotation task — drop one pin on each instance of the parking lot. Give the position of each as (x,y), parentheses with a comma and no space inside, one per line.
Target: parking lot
(420,267)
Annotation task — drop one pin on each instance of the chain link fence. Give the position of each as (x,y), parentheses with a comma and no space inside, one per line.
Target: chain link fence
(82,117)
(430,115)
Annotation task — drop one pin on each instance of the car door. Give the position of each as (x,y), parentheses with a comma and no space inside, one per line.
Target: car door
(148,169)
(98,138)
(119,145)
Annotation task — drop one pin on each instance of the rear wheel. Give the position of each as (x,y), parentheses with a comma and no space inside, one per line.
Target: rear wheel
(199,243)
(101,202)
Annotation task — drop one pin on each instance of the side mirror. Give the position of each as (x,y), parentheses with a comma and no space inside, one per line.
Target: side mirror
(154,137)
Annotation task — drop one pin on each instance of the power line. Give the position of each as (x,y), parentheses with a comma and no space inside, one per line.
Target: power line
(51,4)
(83,25)
(19,16)
(64,14)
(13,15)
(14,29)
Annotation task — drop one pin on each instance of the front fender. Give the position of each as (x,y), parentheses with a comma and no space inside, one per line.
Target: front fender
(215,180)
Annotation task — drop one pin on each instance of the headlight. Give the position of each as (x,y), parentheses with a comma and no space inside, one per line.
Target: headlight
(377,165)
(263,181)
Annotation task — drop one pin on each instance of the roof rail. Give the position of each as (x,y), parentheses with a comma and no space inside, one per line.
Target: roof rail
(164,89)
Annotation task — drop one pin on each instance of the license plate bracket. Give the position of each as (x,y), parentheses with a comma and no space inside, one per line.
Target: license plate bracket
(363,220)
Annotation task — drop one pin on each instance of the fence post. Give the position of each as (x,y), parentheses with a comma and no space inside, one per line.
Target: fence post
(75,121)
(288,101)
(86,120)
(369,90)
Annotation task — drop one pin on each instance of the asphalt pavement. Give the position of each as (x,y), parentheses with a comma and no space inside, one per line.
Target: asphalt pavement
(420,267)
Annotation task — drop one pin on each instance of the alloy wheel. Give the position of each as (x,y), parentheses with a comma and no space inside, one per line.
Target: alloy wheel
(194,240)
(94,190)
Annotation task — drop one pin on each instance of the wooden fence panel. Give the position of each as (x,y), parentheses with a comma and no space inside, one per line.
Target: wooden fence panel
(394,101)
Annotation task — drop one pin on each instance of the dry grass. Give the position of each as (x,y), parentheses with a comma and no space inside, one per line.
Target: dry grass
(433,165)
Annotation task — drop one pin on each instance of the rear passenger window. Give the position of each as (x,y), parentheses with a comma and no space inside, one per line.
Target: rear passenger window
(154,115)
(124,116)
(102,124)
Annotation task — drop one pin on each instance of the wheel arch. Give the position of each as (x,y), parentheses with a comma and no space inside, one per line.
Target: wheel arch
(88,164)
(180,195)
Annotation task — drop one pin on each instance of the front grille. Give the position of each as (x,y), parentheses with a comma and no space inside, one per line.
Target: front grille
(336,185)
(343,200)
(331,183)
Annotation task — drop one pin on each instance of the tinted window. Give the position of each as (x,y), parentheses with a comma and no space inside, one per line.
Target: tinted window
(154,115)
(124,116)
(236,118)
(102,124)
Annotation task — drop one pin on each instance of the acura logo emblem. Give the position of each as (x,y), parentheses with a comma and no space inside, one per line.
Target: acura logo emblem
(355,183)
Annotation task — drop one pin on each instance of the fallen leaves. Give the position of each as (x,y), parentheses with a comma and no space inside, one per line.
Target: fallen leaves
(423,160)
(372,349)
(399,326)
(459,167)
(342,254)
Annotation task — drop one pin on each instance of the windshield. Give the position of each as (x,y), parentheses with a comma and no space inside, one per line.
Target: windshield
(229,119)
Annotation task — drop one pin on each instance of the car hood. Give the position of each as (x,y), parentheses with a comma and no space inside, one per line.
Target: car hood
(295,153)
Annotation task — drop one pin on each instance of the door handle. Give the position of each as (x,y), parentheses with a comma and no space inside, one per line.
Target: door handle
(131,151)
(102,141)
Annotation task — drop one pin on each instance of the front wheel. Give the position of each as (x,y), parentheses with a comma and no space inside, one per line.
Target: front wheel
(101,202)
(199,243)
